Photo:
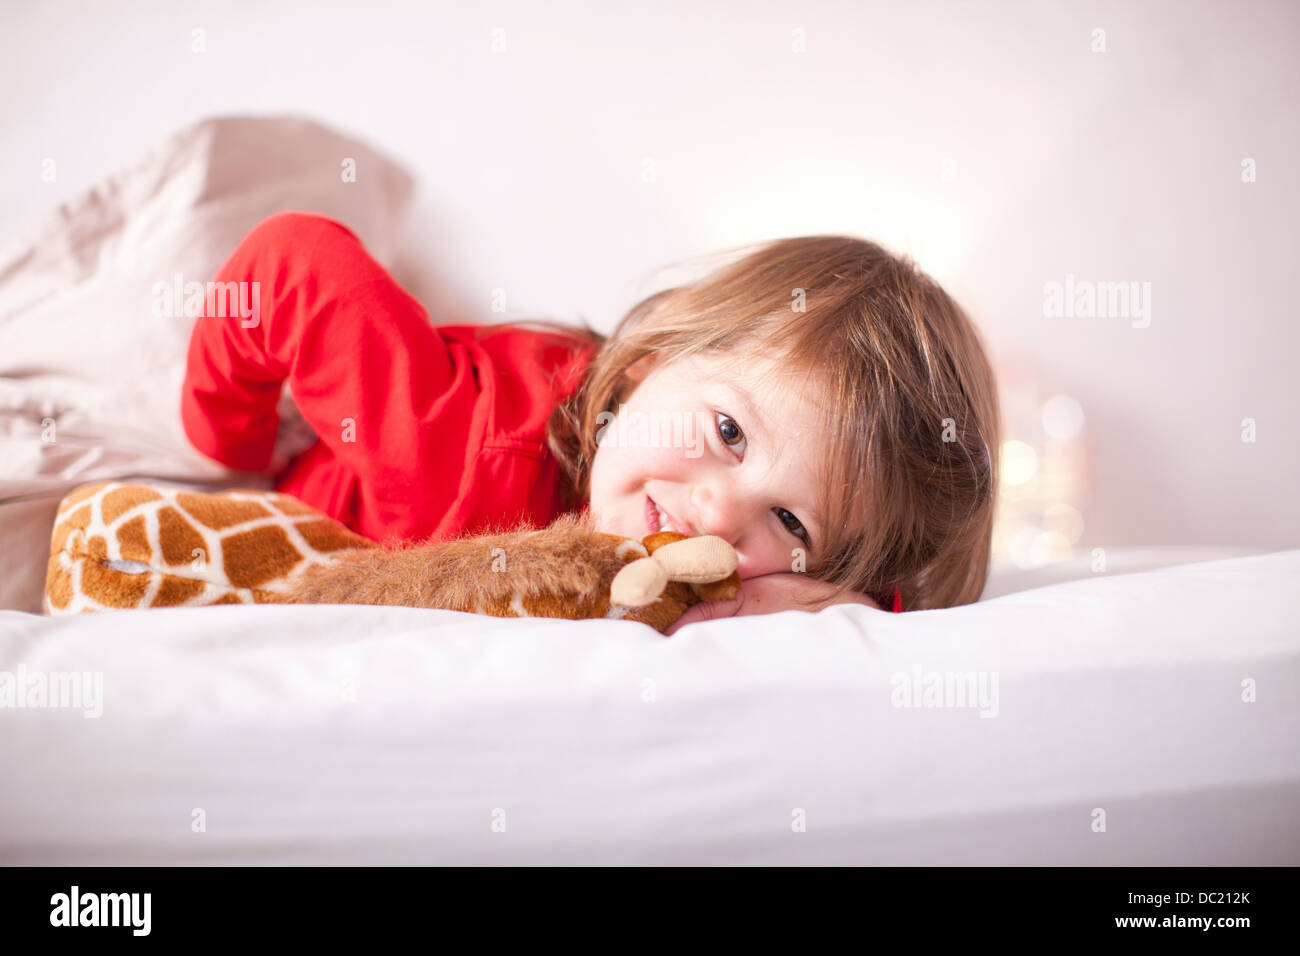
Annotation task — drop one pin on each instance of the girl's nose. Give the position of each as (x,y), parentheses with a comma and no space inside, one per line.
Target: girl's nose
(716,513)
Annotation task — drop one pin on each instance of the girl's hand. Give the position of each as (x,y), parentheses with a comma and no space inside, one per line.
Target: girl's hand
(770,593)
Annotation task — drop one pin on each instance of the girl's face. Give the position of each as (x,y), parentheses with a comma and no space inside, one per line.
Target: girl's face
(736,460)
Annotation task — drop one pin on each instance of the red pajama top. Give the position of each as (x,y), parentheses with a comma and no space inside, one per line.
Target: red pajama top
(424,431)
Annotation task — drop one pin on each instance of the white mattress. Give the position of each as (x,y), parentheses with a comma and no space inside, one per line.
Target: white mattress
(313,735)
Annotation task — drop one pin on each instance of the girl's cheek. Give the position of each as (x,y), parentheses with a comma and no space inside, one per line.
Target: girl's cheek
(664,463)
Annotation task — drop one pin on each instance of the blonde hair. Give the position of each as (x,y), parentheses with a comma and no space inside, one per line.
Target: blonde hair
(908,491)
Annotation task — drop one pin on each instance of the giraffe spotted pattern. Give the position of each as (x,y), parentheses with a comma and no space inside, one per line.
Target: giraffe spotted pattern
(117,545)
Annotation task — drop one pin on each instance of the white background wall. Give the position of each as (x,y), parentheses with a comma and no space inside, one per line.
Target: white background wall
(1122,165)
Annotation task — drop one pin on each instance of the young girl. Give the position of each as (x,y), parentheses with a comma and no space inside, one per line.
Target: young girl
(819,403)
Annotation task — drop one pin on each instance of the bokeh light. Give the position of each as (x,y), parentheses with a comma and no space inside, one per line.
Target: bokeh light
(1062,418)
(1064,520)
(1043,459)
(1019,462)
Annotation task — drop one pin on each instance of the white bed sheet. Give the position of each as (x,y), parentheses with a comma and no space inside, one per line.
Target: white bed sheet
(319,735)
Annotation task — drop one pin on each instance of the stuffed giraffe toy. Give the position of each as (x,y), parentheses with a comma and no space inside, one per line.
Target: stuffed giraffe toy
(136,546)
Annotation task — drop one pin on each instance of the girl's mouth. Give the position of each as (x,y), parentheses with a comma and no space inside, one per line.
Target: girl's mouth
(657,520)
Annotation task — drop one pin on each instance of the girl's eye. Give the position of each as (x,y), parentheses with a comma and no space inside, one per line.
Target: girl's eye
(732,436)
(795,526)
(729,431)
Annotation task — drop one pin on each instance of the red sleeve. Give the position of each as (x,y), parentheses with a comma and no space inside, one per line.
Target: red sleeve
(366,368)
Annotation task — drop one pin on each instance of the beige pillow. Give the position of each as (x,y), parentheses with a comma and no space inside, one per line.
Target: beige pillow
(89,376)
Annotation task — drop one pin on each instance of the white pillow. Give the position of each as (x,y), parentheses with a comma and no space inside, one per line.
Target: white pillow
(89,376)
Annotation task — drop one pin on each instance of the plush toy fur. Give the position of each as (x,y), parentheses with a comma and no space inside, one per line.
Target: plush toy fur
(136,546)
(566,570)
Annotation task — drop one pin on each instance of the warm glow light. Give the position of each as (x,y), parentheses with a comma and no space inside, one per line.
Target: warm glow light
(1032,547)
(1065,521)
(1062,417)
(1018,462)
(916,216)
